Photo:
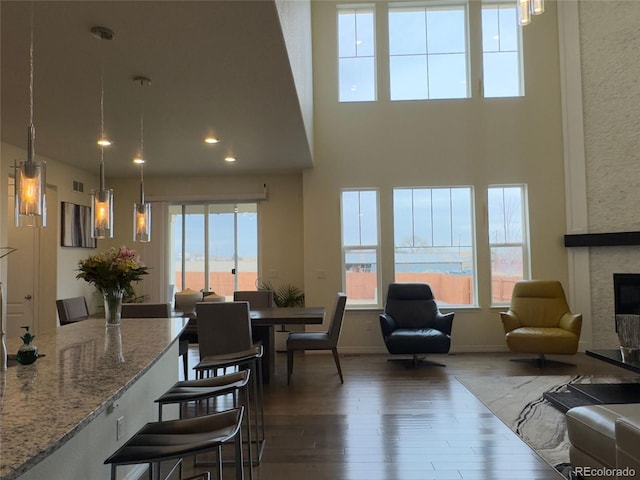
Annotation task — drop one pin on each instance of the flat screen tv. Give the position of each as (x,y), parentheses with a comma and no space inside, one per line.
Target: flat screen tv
(626,293)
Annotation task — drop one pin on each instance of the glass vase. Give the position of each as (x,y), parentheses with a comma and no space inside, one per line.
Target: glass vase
(112,307)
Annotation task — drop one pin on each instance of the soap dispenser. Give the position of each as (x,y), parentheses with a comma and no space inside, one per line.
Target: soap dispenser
(28,352)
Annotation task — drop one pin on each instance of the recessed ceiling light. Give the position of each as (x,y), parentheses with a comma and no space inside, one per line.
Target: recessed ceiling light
(103,142)
(229,159)
(211,140)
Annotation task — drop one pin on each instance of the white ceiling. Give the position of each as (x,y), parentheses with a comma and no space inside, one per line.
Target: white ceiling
(217,67)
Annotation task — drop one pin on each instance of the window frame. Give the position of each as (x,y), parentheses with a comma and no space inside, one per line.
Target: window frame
(472,236)
(377,248)
(519,52)
(434,5)
(362,7)
(524,244)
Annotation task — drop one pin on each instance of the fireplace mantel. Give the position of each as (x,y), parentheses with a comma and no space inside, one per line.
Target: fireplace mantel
(602,239)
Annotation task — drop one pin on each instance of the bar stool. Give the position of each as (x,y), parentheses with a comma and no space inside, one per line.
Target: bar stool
(248,359)
(175,439)
(225,341)
(206,389)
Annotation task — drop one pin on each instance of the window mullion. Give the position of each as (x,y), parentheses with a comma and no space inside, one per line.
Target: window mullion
(183,250)
(206,249)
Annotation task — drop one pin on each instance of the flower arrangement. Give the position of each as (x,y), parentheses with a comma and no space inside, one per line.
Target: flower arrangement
(115,269)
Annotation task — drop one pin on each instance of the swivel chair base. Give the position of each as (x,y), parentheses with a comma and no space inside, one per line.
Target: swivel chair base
(415,361)
(542,362)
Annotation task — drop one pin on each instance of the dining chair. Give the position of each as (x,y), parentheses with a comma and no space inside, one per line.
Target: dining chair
(257,298)
(158,310)
(71,310)
(319,340)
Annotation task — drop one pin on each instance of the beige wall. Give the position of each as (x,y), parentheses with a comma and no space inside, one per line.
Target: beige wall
(387,144)
(59,178)
(474,142)
(280,216)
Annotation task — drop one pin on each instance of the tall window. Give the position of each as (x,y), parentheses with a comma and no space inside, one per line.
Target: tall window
(214,247)
(502,50)
(508,239)
(433,241)
(360,247)
(356,53)
(428,51)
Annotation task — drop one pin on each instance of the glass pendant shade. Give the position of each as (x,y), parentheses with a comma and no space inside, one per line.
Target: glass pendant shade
(102,214)
(30,179)
(524,12)
(30,206)
(142,222)
(537,7)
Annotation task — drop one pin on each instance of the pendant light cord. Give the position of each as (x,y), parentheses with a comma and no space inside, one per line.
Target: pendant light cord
(102,182)
(31,137)
(31,69)
(142,82)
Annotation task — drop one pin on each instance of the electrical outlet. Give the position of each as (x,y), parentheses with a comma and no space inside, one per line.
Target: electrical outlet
(119,428)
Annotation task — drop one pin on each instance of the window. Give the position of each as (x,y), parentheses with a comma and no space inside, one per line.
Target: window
(502,50)
(507,240)
(360,247)
(433,241)
(214,247)
(428,51)
(356,53)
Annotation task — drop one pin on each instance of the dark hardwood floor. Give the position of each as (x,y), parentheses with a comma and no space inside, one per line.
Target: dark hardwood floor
(389,422)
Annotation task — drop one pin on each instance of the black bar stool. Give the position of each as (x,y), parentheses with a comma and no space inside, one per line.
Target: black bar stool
(205,389)
(176,439)
(247,359)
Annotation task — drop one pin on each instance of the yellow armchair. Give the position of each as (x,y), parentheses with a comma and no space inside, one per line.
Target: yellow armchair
(539,320)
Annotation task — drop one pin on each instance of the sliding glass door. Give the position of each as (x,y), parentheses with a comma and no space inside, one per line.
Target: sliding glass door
(214,247)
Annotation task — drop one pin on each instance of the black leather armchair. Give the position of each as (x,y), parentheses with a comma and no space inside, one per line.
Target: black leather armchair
(412,324)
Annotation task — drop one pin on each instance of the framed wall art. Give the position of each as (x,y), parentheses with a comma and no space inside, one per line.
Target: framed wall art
(76,226)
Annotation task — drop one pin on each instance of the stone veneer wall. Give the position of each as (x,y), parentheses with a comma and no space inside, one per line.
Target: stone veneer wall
(610,42)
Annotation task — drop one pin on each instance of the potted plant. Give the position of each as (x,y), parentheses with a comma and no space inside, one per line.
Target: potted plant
(285,296)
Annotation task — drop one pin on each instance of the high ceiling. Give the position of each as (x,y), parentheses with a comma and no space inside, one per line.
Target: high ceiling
(217,68)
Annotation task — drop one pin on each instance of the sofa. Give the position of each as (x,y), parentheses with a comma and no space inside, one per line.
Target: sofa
(605,441)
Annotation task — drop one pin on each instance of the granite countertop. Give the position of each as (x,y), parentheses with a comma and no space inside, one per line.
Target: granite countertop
(85,368)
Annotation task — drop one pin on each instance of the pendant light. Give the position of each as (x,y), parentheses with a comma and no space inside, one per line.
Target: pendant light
(526,8)
(537,7)
(524,12)
(102,199)
(141,210)
(30,181)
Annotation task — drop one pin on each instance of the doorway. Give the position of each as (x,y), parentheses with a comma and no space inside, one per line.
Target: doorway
(32,271)
(214,247)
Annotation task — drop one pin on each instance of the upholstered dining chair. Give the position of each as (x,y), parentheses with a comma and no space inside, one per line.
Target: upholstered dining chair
(256,298)
(413,325)
(71,310)
(319,340)
(158,310)
(539,321)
